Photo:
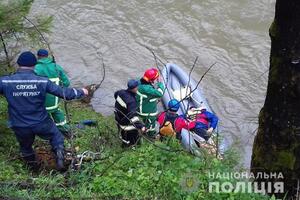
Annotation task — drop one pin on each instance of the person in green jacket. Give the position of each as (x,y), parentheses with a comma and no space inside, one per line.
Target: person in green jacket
(48,68)
(147,97)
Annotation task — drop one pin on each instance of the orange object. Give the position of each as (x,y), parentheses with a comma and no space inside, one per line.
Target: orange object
(167,129)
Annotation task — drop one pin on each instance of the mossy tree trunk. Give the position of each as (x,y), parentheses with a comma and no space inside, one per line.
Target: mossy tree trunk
(277,143)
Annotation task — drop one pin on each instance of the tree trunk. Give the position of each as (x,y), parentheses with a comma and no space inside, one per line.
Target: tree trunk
(5,50)
(277,143)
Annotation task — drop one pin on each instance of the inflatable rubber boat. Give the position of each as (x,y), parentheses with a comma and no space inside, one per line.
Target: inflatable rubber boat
(180,87)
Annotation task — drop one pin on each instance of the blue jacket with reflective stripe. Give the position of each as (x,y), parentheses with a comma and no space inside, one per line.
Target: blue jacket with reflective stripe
(25,93)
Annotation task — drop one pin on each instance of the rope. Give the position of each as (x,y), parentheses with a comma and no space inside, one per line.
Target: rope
(85,154)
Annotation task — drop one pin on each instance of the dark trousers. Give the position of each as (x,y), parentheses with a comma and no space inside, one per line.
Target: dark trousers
(202,133)
(131,136)
(46,130)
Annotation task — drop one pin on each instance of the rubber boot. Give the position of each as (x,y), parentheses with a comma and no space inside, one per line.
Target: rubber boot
(60,160)
(31,162)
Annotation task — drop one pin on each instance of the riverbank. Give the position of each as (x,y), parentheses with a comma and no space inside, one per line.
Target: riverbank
(146,172)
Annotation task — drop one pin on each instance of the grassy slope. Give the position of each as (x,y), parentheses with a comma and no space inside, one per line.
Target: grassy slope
(144,173)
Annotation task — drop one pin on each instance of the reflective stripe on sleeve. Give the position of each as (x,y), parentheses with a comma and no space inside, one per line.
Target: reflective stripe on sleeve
(134,119)
(128,128)
(148,114)
(121,102)
(160,90)
(153,100)
(75,91)
(61,123)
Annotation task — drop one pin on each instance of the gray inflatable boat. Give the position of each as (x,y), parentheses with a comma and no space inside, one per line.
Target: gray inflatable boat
(179,87)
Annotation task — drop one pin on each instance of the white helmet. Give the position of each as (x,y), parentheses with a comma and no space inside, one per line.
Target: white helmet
(202,107)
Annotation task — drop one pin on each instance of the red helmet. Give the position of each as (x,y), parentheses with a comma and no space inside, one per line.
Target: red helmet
(151,75)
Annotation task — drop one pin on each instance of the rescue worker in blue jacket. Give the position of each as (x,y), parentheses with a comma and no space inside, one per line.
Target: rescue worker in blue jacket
(25,93)
(126,115)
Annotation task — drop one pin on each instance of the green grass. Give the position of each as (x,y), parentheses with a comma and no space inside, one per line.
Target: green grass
(146,172)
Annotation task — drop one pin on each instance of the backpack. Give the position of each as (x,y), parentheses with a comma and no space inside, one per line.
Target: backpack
(167,128)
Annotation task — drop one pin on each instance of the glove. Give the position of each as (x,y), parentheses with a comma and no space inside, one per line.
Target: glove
(210,131)
(85,91)
(144,129)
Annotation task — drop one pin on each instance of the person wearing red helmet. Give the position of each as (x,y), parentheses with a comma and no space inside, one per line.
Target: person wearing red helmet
(147,96)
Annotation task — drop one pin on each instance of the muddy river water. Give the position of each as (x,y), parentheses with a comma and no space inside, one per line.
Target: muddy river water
(233,33)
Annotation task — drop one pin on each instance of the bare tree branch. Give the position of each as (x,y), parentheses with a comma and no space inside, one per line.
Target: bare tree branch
(5,50)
